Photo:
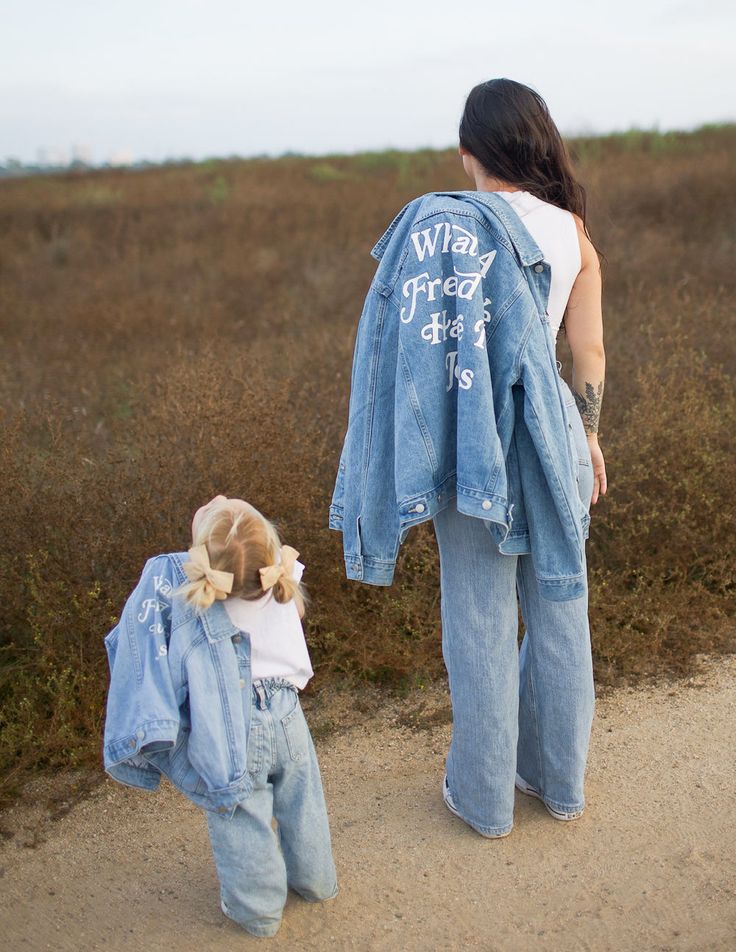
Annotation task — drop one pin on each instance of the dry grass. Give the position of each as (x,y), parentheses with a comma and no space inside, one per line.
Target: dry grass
(177,332)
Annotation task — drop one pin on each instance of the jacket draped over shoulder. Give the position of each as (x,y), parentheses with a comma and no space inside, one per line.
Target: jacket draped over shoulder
(455,396)
(179,697)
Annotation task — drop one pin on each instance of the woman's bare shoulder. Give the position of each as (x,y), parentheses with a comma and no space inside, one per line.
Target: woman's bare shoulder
(588,254)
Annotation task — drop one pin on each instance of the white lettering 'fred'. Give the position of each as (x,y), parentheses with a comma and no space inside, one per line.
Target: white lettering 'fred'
(412,288)
(461,284)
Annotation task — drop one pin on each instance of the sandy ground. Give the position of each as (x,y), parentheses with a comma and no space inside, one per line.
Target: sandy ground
(650,865)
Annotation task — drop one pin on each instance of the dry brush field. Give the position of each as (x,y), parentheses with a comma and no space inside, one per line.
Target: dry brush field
(172,333)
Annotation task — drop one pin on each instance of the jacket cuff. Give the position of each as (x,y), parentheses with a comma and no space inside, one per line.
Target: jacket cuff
(225,799)
(163,733)
(145,778)
(371,571)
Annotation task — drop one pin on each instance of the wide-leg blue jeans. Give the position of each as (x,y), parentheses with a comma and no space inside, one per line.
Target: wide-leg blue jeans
(526,711)
(255,863)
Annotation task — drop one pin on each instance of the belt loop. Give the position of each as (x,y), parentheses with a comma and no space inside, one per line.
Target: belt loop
(260,694)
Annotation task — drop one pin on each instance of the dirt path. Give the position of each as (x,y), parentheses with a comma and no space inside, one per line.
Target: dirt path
(649,866)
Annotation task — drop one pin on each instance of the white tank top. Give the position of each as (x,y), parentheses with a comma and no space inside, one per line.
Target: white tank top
(556,233)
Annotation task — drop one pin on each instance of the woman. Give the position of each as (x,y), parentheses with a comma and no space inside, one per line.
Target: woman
(523,718)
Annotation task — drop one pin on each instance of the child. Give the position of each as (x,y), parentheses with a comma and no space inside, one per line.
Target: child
(206,664)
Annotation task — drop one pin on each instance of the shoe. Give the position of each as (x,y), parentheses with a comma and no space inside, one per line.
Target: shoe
(450,804)
(447,797)
(531,791)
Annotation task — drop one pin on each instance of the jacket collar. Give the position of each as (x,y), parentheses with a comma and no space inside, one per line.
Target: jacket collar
(526,248)
(215,620)
(382,243)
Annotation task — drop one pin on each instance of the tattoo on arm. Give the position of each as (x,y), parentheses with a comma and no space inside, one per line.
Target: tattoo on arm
(590,406)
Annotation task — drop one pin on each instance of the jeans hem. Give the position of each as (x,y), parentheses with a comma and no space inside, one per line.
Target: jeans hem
(490,832)
(251,926)
(260,933)
(320,898)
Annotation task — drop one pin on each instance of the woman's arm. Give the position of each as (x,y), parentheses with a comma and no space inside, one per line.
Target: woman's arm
(584,330)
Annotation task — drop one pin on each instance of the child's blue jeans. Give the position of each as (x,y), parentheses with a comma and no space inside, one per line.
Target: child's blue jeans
(255,863)
(527,712)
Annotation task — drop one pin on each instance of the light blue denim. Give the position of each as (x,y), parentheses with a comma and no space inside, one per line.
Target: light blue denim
(454,395)
(255,863)
(178,703)
(530,711)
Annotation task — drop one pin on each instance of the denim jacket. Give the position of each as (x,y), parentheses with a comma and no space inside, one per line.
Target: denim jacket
(455,395)
(179,696)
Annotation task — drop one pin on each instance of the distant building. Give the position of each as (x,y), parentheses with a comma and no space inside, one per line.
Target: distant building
(121,157)
(52,157)
(81,155)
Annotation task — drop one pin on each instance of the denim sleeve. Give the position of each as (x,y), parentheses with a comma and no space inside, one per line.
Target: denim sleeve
(142,711)
(548,486)
(220,711)
(364,499)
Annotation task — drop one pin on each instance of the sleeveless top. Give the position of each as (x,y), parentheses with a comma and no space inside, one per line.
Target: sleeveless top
(556,233)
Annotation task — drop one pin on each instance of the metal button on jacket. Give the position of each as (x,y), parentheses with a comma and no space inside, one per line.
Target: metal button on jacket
(539,268)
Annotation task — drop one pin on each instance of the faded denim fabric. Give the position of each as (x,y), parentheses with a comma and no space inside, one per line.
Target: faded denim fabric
(255,863)
(455,397)
(179,696)
(530,711)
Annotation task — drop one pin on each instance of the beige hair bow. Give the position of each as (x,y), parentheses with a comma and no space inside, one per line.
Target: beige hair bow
(270,574)
(220,583)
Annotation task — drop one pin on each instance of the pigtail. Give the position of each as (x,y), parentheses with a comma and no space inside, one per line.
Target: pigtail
(285,588)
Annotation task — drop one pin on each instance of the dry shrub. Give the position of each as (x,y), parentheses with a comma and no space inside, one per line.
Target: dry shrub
(175,333)
(661,554)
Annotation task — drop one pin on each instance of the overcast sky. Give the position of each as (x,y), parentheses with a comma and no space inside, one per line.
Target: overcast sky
(166,78)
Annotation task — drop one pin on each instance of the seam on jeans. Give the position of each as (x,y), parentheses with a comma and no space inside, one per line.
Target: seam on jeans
(530,678)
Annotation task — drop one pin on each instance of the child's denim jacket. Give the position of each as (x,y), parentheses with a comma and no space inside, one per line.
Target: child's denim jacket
(179,701)
(455,395)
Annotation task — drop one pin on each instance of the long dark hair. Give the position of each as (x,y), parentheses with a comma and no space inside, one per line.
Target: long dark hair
(507,127)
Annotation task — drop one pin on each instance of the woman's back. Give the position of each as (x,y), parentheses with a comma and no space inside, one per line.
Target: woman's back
(555,231)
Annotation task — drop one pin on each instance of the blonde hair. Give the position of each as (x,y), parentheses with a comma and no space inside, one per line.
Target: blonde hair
(240,541)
